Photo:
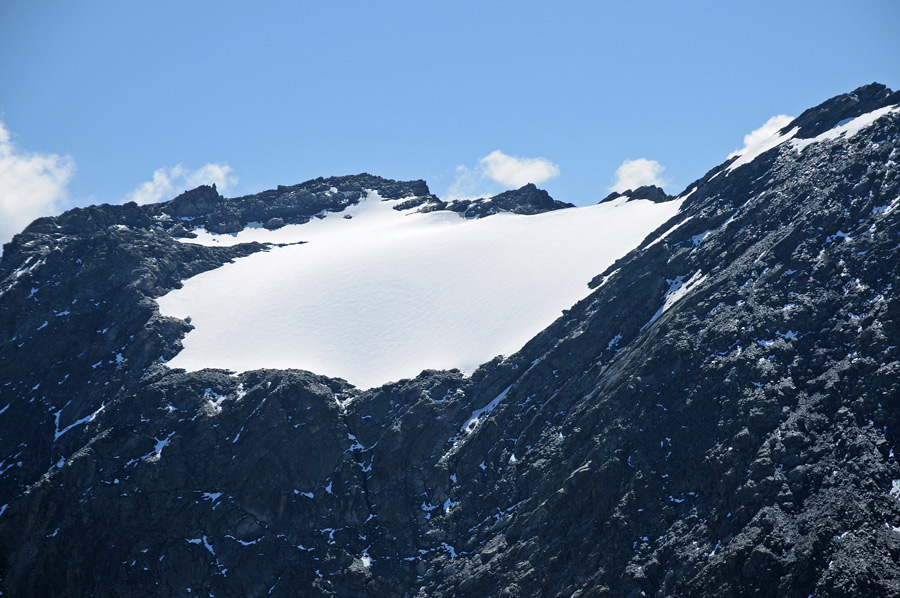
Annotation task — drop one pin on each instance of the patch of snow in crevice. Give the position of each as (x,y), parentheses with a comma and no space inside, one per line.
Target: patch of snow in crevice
(688,194)
(83,420)
(252,413)
(615,341)
(677,289)
(357,445)
(212,497)
(214,400)
(448,504)
(243,542)
(838,235)
(887,208)
(154,455)
(450,550)
(699,238)
(606,278)
(469,426)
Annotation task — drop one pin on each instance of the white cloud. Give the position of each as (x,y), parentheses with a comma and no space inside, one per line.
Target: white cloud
(756,139)
(637,173)
(169,182)
(509,171)
(516,172)
(31,185)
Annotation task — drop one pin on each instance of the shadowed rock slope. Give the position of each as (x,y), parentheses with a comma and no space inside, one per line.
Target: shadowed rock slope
(718,418)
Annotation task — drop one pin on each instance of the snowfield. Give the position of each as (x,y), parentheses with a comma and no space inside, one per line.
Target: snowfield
(385,294)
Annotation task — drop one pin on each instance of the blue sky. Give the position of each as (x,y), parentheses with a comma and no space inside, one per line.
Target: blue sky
(105,101)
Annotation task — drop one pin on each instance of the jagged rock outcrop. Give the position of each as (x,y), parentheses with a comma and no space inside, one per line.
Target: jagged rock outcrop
(651,192)
(719,417)
(527,199)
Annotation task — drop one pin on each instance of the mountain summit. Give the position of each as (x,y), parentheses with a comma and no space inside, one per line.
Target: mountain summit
(715,414)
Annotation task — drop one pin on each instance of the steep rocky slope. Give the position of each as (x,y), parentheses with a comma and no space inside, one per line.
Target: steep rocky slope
(717,418)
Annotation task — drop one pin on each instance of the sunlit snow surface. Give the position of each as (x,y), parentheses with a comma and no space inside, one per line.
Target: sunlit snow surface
(386,294)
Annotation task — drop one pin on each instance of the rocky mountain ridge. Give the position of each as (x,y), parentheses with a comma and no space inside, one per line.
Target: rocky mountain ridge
(717,418)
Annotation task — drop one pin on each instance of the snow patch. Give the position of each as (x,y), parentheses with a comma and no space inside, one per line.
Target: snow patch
(382,296)
(615,341)
(845,128)
(677,289)
(211,496)
(450,550)
(887,208)
(476,416)
(213,400)
(699,238)
(154,455)
(83,420)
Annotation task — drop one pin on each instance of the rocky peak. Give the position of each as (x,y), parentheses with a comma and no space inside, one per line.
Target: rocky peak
(524,200)
(651,192)
(196,202)
(828,114)
(527,199)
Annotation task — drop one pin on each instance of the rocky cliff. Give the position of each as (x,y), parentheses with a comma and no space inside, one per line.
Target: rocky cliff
(717,418)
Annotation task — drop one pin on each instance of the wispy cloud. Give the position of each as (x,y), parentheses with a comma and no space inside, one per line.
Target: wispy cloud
(469,184)
(168,182)
(31,185)
(757,138)
(637,173)
(499,168)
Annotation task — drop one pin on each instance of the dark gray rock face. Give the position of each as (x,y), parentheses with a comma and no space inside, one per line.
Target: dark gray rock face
(274,223)
(718,418)
(651,192)
(527,200)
